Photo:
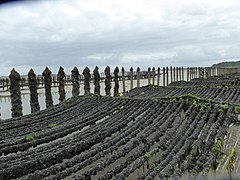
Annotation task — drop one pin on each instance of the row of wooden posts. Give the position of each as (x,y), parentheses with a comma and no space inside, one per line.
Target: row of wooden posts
(175,74)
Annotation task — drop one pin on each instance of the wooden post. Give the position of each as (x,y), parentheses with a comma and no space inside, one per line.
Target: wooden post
(196,72)
(188,73)
(75,76)
(174,74)
(149,76)
(108,80)
(177,73)
(123,80)
(153,75)
(87,76)
(158,77)
(32,84)
(96,81)
(61,80)
(199,72)
(164,76)
(15,93)
(171,74)
(167,76)
(131,78)
(138,77)
(116,86)
(182,73)
(48,85)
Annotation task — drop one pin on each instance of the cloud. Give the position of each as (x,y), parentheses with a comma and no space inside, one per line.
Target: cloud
(118,32)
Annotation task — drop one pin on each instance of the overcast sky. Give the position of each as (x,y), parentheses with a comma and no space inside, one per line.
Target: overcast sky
(117,32)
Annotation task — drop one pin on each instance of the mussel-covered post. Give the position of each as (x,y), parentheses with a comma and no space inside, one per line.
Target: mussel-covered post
(131,78)
(164,76)
(158,76)
(75,81)
(123,80)
(87,76)
(138,77)
(96,81)
(15,92)
(48,84)
(32,84)
(167,78)
(61,80)
(116,81)
(149,76)
(108,79)
(153,75)
(187,73)
(171,73)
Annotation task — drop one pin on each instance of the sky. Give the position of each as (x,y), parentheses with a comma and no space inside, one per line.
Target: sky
(124,33)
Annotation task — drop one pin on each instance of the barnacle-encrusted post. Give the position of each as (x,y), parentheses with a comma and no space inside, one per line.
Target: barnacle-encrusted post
(96,81)
(87,76)
(32,84)
(48,85)
(61,80)
(107,81)
(116,86)
(15,93)
(75,81)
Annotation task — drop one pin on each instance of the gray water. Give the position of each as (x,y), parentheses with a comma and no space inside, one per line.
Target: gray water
(5,101)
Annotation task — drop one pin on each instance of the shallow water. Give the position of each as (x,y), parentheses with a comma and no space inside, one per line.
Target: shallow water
(5,101)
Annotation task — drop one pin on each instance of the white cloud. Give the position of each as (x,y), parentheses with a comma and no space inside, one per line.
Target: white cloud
(118,32)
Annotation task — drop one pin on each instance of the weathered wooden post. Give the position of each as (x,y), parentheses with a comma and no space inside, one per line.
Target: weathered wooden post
(138,77)
(199,69)
(75,76)
(123,80)
(87,76)
(131,78)
(149,75)
(182,74)
(15,92)
(188,73)
(171,73)
(167,75)
(153,75)
(158,76)
(48,84)
(108,79)
(116,81)
(174,74)
(164,77)
(61,80)
(177,73)
(32,84)
(196,70)
(96,81)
